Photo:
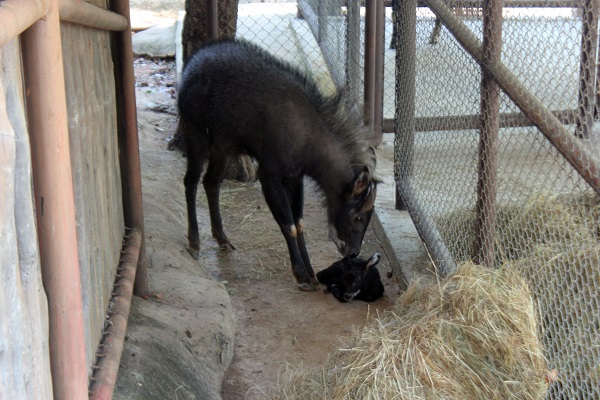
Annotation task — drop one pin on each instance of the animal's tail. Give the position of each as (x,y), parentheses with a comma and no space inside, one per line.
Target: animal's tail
(178,141)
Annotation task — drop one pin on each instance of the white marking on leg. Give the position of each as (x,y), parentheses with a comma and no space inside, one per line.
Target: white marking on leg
(300,226)
(293,231)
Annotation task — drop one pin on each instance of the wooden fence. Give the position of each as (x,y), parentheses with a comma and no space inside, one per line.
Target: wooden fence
(67,124)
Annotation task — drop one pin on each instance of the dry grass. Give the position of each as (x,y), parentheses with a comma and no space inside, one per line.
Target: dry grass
(545,221)
(472,336)
(554,242)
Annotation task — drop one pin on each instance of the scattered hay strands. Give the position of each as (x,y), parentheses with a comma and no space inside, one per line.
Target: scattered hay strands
(471,336)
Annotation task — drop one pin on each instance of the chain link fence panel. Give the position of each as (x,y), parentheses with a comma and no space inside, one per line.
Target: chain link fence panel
(308,34)
(495,164)
(499,164)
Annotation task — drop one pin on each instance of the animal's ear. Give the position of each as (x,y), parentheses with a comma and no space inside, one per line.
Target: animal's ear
(362,181)
(374,260)
(370,200)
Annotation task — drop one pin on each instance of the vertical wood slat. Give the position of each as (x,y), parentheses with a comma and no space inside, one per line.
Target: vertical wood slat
(97,184)
(25,363)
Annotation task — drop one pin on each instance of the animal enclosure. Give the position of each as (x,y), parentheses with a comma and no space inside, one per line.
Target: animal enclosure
(496,148)
(495,113)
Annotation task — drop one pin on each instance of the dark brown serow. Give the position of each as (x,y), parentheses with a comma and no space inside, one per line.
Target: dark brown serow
(353,279)
(235,98)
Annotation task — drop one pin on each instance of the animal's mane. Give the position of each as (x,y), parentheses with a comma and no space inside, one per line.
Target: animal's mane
(342,120)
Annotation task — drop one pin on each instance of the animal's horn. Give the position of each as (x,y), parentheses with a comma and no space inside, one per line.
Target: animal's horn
(374,260)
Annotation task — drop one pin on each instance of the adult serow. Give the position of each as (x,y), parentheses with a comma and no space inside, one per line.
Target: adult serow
(235,98)
(353,278)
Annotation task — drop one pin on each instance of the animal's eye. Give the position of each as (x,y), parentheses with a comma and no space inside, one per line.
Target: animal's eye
(359,219)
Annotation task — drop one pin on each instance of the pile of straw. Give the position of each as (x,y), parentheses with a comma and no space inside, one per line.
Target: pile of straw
(471,336)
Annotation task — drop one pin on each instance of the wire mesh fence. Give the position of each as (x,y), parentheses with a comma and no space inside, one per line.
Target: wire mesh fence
(325,38)
(495,164)
(499,166)
(290,30)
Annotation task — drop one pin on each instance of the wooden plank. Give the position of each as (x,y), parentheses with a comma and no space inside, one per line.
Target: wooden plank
(25,364)
(93,130)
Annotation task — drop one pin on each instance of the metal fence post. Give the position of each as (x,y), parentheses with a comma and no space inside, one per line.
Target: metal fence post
(212,20)
(488,143)
(405,94)
(369,80)
(129,143)
(352,50)
(378,75)
(587,69)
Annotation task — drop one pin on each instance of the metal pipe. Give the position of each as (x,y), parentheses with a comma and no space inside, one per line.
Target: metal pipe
(511,3)
(212,20)
(18,15)
(507,3)
(55,205)
(87,14)
(440,255)
(473,121)
(128,143)
(352,64)
(488,142)
(569,146)
(321,21)
(369,77)
(406,48)
(103,381)
(378,76)
(587,68)
(516,3)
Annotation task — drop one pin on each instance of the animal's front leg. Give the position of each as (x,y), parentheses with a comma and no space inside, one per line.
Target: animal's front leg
(296,195)
(277,198)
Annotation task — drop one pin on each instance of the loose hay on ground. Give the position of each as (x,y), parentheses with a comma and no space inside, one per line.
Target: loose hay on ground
(473,336)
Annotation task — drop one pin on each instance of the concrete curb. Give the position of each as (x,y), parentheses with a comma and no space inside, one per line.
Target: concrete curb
(395,229)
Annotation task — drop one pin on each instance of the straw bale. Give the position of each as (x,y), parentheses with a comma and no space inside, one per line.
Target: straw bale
(472,335)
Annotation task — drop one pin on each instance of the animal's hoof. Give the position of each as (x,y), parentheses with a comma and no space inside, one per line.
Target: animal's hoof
(306,287)
(315,281)
(195,253)
(227,246)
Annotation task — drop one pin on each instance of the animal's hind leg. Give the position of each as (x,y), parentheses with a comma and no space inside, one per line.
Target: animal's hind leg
(217,166)
(296,193)
(192,176)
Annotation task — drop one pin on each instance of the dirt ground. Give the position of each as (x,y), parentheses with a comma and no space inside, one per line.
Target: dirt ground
(276,324)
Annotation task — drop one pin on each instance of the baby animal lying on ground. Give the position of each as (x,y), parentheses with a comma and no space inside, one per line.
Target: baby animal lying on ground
(353,278)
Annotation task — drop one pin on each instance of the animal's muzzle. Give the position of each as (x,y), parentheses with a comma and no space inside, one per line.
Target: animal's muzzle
(343,248)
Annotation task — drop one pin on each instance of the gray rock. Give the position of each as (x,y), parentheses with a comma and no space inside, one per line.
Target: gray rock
(158,41)
(165,359)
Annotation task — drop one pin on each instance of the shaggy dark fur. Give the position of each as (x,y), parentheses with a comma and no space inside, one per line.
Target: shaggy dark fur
(236,98)
(353,278)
